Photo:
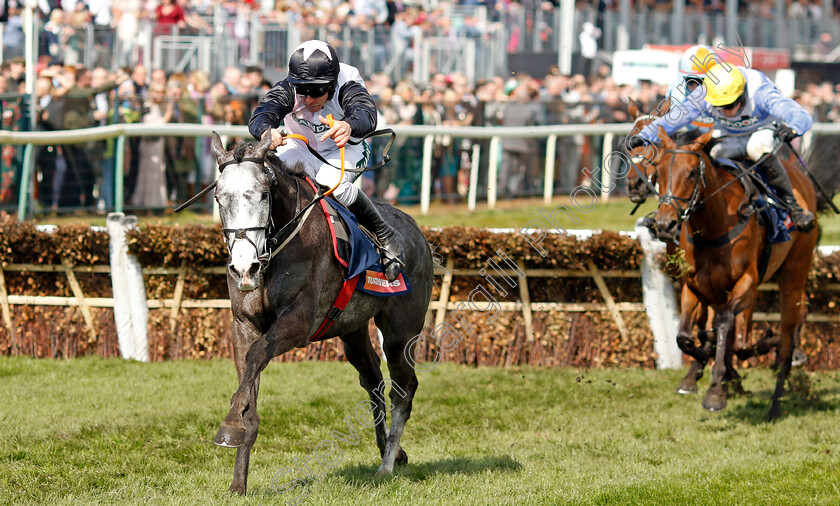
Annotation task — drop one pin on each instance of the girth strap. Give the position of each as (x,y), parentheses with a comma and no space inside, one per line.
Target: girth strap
(341,301)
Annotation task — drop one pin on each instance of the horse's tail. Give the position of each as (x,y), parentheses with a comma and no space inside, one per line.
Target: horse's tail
(822,159)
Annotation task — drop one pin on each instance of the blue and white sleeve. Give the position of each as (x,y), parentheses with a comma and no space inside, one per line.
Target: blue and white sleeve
(771,100)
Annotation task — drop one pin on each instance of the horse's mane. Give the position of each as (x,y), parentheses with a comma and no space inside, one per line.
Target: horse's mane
(242,147)
(297,170)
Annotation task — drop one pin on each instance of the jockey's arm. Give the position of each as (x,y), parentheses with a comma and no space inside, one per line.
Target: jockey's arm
(678,116)
(359,108)
(770,99)
(273,107)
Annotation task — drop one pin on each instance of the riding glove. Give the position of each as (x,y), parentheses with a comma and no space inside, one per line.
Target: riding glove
(785,133)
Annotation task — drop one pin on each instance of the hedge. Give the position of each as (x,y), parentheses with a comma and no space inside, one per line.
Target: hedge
(582,339)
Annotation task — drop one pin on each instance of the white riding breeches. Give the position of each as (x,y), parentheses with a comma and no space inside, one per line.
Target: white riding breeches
(356,156)
(753,146)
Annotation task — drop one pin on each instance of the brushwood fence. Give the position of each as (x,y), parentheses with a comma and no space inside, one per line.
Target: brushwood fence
(600,331)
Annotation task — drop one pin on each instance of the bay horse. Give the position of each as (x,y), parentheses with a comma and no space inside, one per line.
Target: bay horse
(280,295)
(641,179)
(723,249)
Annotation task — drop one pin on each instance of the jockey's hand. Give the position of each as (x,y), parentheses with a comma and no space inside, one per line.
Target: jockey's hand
(785,133)
(276,138)
(339,132)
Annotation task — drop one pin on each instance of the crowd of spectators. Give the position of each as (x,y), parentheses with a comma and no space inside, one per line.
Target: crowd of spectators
(125,20)
(161,171)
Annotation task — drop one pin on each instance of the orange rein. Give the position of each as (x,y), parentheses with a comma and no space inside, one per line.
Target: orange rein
(331,122)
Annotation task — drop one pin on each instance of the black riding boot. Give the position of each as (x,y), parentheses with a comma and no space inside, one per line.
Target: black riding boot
(779,180)
(390,240)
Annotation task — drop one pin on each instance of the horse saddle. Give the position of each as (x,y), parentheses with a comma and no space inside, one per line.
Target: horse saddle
(760,199)
(354,247)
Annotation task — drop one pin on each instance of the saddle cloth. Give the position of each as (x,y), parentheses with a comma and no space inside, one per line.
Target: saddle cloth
(772,215)
(353,248)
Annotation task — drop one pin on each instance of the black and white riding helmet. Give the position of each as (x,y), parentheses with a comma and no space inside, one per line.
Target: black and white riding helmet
(314,62)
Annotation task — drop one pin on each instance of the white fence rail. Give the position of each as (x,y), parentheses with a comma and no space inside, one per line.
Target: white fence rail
(548,132)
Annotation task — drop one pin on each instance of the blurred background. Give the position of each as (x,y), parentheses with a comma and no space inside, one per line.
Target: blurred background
(433,63)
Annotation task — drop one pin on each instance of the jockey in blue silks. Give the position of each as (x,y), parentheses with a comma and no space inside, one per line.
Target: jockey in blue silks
(743,101)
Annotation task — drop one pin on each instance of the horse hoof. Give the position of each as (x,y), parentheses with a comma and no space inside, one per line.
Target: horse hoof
(799,358)
(714,402)
(381,474)
(402,458)
(687,388)
(229,436)
(239,490)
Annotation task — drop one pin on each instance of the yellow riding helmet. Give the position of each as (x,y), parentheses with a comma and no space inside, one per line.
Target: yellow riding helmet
(724,86)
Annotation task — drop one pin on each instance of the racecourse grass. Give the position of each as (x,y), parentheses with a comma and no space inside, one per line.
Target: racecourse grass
(90,431)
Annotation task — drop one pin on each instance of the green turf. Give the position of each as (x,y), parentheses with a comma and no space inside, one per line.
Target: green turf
(106,431)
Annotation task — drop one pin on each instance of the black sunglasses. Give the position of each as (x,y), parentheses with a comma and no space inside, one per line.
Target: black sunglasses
(312,90)
(733,105)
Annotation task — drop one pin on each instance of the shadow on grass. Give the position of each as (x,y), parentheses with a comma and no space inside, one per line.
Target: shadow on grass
(801,398)
(364,474)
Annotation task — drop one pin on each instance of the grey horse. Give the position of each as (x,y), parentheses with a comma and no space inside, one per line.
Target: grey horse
(279,298)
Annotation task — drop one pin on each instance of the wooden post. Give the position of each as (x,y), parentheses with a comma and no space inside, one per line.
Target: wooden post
(445,288)
(7,313)
(80,297)
(526,303)
(608,299)
(176,307)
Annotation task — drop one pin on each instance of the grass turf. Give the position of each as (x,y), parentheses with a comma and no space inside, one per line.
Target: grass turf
(108,431)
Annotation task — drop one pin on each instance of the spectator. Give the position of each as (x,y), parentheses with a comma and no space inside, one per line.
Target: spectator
(518,154)
(169,15)
(13,36)
(127,28)
(588,48)
(50,163)
(78,113)
(180,151)
(151,179)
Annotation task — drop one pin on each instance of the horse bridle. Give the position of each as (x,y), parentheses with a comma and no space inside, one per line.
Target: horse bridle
(692,203)
(269,251)
(242,233)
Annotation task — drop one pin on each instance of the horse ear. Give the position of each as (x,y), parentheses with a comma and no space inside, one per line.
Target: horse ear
(633,109)
(701,141)
(667,143)
(262,147)
(219,150)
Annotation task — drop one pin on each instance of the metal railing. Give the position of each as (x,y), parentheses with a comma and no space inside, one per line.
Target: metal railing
(428,133)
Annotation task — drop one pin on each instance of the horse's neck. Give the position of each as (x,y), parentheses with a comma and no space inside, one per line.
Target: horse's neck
(717,214)
(291,194)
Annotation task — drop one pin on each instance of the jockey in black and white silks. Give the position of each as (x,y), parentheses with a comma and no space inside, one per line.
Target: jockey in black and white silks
(319,85)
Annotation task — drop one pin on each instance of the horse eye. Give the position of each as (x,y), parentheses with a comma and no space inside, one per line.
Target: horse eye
(693,174)
(264,195)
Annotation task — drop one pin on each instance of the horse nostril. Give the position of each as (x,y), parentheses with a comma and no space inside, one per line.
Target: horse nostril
(252,271)
(236,274)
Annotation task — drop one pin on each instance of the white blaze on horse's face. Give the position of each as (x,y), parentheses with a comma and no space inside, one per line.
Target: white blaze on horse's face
(244,206)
